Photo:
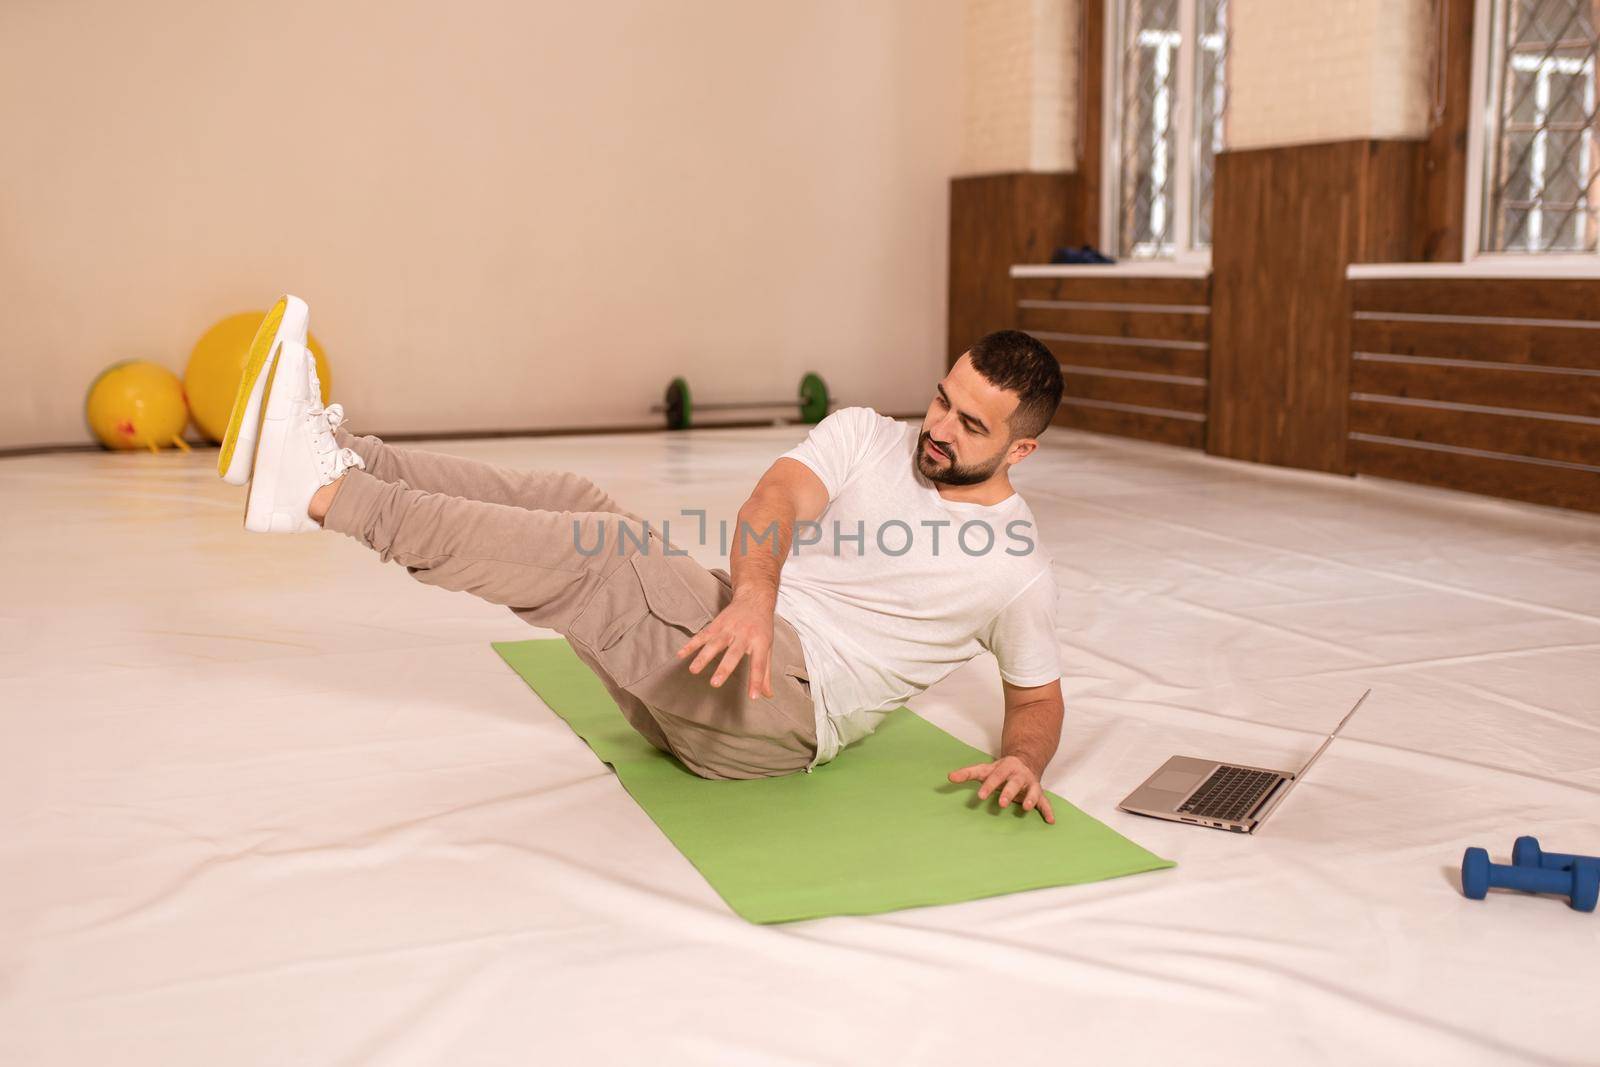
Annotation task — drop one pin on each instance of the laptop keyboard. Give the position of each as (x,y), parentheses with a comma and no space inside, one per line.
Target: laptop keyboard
(1230,793)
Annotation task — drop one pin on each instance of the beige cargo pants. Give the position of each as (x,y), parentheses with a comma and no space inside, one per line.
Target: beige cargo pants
(560,553)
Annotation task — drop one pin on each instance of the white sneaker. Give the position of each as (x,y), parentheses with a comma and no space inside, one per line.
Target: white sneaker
(333,413)
(287,321)
(296,454)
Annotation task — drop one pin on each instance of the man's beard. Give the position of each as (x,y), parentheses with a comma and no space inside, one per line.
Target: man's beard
(954,473)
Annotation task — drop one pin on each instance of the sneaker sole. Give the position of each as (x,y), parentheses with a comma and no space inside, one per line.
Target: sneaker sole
(261,514)
(288,319)
(261,504)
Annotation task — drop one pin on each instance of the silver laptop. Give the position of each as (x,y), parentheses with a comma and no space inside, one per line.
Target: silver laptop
(1227,796)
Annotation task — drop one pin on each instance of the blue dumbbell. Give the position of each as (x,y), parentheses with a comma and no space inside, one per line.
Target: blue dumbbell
(1526,853)
(1579,883)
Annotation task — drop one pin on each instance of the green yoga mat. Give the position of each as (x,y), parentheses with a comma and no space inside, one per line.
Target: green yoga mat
(879,828)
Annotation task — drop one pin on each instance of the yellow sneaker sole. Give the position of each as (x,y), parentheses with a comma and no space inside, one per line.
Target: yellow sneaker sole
(237,455)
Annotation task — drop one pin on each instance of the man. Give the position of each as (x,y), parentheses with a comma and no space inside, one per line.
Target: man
(869,562)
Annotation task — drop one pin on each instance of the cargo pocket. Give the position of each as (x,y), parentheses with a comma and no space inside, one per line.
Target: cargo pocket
(617,627)
(645,636)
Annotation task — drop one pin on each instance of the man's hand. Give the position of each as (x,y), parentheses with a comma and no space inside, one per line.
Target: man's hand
(1011,776)
(744,626)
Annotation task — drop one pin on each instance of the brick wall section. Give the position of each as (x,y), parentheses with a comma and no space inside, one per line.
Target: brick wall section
(1334,70)
(1299,73)
(1020,78)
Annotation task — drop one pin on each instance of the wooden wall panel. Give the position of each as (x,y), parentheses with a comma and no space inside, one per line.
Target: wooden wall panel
(1133,351)
(1163,429)
(1486,339)
(1390,226)
(1485,384)
(1130,322)
(1441,195)
(1474,299)
(1082,350)
(1152,289)
(1505,476)
(1287,223)
(1169,395)
(1533,436)
(997,220)
(1091,135)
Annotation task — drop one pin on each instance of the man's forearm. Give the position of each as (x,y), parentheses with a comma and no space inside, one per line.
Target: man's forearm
(1032,732)
(760,545)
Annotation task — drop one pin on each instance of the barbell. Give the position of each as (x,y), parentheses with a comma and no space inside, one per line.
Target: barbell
(811,402)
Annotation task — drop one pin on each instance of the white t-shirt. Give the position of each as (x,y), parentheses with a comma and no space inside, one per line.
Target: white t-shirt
(894,587)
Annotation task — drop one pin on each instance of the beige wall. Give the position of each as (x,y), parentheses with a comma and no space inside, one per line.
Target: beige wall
(504,214)
(1020,111)
(1334,70)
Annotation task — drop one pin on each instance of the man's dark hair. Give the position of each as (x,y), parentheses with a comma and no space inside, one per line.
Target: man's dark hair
(1019,363)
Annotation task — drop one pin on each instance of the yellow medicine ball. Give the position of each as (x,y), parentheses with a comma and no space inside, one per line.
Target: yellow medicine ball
(217,364)
(137,404)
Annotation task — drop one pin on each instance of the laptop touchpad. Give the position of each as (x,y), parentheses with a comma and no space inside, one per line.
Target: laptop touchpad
(1173,781)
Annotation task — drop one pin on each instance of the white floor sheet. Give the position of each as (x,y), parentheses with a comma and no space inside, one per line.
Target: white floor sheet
(264,800)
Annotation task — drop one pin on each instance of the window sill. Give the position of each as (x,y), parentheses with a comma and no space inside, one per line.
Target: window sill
(1128,268)
(1483,267)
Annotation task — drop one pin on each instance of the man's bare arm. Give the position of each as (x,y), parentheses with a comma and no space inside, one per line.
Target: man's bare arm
(789,493)
(1032,729)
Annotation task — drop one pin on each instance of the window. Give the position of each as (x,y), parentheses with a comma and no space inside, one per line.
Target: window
(1540,158)
(1166,81)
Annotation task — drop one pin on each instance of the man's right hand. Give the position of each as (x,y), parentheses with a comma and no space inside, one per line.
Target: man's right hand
(744,626)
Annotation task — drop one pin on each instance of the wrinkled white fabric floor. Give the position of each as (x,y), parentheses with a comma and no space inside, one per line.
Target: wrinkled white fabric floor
(264,800)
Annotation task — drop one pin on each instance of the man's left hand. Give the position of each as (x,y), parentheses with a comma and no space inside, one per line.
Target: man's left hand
(1011,776)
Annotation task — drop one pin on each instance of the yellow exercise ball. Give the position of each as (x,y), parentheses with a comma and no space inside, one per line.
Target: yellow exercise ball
(217,363)
(137,404)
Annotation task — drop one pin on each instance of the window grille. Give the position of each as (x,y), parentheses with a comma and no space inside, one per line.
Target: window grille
(1542,161)
(1172,94)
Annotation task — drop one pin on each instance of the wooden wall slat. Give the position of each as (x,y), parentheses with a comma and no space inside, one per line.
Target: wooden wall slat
(1142,325)
(1145,393)
(1549,346)
(1556,486)
(1516,435)
(1186,433)
(1131,290)
(1515,298)
(1186,362)
(1567,394)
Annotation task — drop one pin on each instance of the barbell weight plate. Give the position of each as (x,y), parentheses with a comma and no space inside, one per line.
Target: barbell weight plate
(813,398)
(680,405)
